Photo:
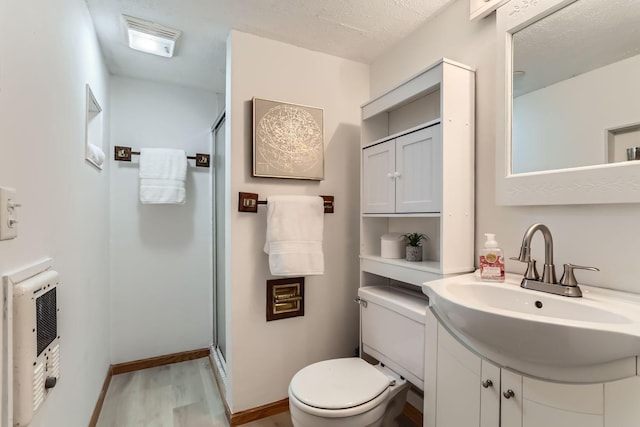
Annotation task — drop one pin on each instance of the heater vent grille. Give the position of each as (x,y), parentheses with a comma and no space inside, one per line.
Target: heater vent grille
(151,28)
(47,320)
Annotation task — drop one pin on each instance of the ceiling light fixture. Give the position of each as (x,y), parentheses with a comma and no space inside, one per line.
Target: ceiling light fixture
(147,36)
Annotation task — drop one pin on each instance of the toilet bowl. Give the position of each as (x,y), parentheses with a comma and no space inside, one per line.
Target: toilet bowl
(346,393)
(353,393)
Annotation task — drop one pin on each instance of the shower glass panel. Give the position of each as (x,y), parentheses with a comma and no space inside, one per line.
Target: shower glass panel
(219,330)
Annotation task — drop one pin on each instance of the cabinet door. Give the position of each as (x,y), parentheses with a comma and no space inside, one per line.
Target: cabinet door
(561,405)
(622,403)
(457,384)
(378,178)
(511,403)
(490,395)
(419,167)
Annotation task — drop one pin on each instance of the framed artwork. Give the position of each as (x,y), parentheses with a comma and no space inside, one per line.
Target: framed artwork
(288,140)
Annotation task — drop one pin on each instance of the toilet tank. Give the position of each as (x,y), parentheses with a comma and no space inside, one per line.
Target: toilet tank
(392,329)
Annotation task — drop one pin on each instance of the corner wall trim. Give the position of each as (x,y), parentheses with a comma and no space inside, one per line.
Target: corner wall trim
(152,362)
(260,412)
(96,411)
(252,414)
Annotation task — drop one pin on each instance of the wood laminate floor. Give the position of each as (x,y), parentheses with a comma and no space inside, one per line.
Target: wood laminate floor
(178,395)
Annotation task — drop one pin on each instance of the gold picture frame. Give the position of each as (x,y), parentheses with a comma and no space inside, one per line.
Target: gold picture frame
(288,140)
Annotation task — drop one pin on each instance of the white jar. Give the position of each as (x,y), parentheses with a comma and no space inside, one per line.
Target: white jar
(392,245)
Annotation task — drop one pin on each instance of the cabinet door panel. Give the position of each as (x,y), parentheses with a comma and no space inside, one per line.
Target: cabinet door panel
(584,398)
(561,405)
(622,403)
(511,408)
(458,384)
(419,162)
(378,189)
(490,395)
(535,414)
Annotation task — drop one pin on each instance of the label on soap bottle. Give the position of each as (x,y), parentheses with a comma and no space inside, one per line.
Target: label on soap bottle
(492,267)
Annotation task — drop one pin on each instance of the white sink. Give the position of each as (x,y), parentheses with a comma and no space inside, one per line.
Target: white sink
(592,338)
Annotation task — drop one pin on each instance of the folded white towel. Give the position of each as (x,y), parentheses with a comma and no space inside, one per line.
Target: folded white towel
(162,175)
(95,154)
(294,235)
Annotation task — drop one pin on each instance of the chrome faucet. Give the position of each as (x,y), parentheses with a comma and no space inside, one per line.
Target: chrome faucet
(568,285)
(549,270)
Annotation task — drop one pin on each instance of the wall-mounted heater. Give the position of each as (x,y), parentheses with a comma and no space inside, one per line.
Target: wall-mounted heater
(36,344)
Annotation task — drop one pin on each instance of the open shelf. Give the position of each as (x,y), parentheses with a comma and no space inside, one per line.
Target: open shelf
(621,138)
(415,273)
(403,132)
(403,215)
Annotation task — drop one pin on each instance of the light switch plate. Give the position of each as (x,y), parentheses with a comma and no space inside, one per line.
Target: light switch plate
(8,214)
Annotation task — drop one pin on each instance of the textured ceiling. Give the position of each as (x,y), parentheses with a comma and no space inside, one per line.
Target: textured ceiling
(579,38)
(355,29)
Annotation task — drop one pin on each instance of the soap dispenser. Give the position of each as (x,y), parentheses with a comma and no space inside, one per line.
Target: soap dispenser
(491,260)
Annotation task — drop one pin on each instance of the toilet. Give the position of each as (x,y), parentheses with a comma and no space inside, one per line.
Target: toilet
(351,392)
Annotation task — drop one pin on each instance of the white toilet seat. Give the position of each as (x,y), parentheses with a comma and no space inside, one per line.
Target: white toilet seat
(339,384)
(339,413)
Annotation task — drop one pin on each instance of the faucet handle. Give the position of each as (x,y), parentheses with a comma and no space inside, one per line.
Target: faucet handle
(568,278)
(531,272)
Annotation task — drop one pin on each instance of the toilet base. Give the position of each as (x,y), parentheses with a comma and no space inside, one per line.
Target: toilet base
(395,407)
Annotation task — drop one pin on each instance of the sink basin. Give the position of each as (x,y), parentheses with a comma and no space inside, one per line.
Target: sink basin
(586,339)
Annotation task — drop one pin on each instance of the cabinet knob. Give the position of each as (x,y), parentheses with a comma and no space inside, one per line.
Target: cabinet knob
(397,174)
(390,175)
(487,383)
(508,394)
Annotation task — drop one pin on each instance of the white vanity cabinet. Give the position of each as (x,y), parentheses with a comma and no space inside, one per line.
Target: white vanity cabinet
(462,396)
(622,403)
(467,387)
(404,174)
(417,163)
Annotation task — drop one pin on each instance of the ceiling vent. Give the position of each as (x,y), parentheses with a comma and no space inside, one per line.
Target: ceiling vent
(147,36)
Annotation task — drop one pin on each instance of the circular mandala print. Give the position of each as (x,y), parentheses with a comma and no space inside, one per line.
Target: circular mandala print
(291,139)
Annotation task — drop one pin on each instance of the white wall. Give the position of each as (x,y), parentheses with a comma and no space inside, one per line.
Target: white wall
(604,236)
(48,52)
(263,355)
(160,254)
(563,125)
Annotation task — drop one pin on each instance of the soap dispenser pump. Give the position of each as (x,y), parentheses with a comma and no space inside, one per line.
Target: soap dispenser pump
(491,260)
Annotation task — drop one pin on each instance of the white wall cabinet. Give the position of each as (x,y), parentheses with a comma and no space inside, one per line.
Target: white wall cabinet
(404,175)
(481,8)
(418,174)
(463,397)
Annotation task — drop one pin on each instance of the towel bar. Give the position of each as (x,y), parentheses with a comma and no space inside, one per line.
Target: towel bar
(124,154)
(248,202)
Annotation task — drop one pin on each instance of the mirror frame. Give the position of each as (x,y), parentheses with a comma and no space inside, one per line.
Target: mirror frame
(607,183)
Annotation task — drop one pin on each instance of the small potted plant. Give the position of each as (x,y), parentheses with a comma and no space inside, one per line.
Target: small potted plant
(414,247)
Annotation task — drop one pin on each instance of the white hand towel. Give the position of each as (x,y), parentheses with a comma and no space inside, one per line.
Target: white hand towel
(95,154)
(294,235)
(163,173)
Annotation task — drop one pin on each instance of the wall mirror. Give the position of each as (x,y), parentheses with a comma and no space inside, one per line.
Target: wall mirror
(568,102)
